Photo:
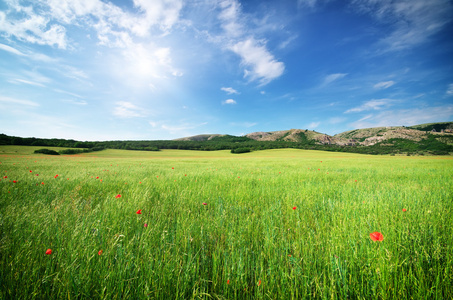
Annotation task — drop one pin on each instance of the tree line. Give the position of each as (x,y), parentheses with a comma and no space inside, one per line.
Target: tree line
(241,145)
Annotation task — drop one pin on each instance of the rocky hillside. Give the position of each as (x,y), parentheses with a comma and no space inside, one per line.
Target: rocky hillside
(384,136)
(299,135)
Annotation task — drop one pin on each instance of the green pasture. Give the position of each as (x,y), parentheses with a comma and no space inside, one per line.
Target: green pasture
(273,224)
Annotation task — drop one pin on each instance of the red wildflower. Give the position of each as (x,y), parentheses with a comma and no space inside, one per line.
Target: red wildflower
(376,236)
(118,196)
(14,181)
(56,176)
(31,171)
(139,212)
(259,283)
(97,177)
(145,225)
(294,208)
(49,251)
(404,209)
(100,252)
(204,203)
(5,177)
(228,281)
(42,183)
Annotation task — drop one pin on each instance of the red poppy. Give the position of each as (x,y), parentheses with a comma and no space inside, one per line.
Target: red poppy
(139,212)
(172,168)
(49,251)
(294,208)
(204,203)
(97,177)
(259,283)
(56,176)
(404,209)
(31,171)
(42,183)
(100,252)
(228,281)
(145,225)
(118,196)
(376,236)
(5,177)
(14,181)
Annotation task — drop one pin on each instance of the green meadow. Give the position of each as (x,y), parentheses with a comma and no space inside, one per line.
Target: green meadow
(272,224)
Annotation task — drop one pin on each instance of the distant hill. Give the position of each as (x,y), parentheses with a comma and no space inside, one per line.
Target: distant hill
(432,138)
(424,138)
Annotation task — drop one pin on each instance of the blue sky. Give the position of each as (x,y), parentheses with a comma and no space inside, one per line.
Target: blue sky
(164,69)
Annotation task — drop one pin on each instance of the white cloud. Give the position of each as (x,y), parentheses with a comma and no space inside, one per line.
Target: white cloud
(450,89)
(264,67)
(229,101)
(34,29)
(384,84)
(374,104)
(333,77)
(313,125)
(44,23)
(124,109)
(229,90)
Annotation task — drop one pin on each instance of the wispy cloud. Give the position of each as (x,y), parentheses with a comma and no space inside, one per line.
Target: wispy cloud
(229,90)
(229,101)
(17,80)
(15,101)
(11,49)
(413,21)
(374,104)
(405,117)
(313,125)
(333,77)
(124,109)
(450,89)
(384,84)
(244,124)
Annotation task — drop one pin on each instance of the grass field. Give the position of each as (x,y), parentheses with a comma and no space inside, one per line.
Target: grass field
(274,224)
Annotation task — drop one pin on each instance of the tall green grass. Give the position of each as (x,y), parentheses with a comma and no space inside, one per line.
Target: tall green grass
(277,224)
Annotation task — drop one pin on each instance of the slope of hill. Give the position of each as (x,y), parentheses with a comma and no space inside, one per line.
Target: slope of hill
(433,138)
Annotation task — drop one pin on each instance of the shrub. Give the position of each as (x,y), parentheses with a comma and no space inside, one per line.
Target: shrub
(47,151)
(240,150)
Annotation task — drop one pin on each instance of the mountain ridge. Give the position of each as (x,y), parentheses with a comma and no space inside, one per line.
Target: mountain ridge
(357,137)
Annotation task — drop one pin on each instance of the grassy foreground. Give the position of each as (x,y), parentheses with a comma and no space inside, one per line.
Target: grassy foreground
(274,224)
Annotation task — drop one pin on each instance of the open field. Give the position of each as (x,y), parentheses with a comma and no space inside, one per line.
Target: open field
(273,224)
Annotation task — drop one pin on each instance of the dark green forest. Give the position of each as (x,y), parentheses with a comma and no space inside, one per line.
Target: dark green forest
(431,145)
